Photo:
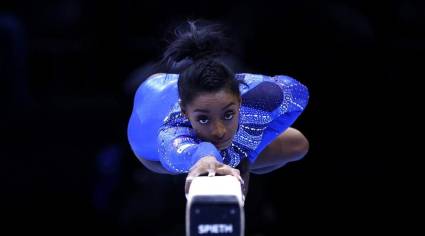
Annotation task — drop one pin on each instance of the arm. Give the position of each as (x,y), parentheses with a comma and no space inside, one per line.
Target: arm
(180,153)
(179,150)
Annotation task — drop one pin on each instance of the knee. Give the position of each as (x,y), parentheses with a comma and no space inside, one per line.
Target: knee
(301,149)
(263,170)
(294,144)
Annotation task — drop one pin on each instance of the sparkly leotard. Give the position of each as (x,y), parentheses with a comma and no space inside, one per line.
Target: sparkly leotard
(158,131)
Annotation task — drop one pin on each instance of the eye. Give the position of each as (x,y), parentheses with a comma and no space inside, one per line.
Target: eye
(228,116)
(203,120)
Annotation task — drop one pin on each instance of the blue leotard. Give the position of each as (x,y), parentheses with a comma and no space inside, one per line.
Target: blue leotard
(158,131)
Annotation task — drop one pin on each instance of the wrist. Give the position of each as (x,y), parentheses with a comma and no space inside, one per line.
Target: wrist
(206,149)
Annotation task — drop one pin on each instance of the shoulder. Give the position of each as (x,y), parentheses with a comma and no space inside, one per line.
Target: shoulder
(160,79)
(157,82)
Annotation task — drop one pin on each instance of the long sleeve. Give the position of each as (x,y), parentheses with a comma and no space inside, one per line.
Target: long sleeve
(158,131)
(154,99)
(179,148)
(270,106)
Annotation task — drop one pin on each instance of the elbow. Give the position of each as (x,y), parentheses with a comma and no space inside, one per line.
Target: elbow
(155,166)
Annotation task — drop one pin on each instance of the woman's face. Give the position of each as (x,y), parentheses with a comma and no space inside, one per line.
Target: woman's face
(214,117)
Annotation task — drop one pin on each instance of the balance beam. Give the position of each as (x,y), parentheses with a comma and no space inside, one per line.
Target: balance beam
(215,206)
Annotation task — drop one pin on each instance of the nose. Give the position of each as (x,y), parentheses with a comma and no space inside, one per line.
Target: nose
(218,131)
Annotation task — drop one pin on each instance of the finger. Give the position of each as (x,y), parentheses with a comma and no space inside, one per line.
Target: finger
(211,169)
(240,180)
(187,184)
(224,170)
(192,174)
(227,170)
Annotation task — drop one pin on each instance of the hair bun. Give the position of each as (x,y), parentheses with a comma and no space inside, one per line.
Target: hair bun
(196,41)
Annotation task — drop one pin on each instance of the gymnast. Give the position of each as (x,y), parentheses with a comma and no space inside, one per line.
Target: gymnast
(199,117)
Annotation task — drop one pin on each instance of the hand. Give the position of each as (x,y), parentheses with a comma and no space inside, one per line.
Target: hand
(210,165)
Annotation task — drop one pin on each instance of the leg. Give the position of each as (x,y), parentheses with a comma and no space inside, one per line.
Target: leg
(289,146)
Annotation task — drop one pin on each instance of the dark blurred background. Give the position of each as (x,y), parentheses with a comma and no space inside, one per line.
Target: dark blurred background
(69,69)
